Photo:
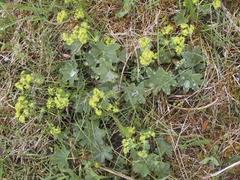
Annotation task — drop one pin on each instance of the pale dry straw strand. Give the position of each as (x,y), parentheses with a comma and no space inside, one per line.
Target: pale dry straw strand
(116,173)
(230,18)
(222,170)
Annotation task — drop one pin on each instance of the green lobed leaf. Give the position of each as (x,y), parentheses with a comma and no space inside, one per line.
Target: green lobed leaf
(141,168)
(94,139)
(91,175)
(109,52)
(192,58)
(60,157)
(161,169)
(105,71)
(81,103)
(102,153)
(69,72)
(180,18)
(102,59)
(135,94)
(127,6)
(163,147)
(189,80)
(210,160)
(160,80)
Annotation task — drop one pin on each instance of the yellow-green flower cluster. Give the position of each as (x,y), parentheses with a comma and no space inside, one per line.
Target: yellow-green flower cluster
(128,144)
(95,99)
(146,135)
(140,145)
(130,131)
(24,108)
(25,81)
(79,13)
(147,55)
(61,16)
(186,29)
(142,154)
(59,98)
(70,1)
(195,2)
(217,4)
(99,102)
(80,33)
(112,108)
(54,130)
(145,42)
(167,29)
(178,43)
(108,40)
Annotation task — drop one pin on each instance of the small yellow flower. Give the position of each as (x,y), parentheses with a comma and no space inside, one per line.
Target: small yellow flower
(142,154)
(112,108)
(68,38)
(22,119)
(85,25)
(130,131)
(167,29)
(115,109)
(98,93)
(70,1)
(108,40)
(178,43)
(54,130)
(79,14)
(50,103)
(61,16)
(217,4)
(24,108)
(80,34)
(97,165)
(146,135)
(128,144)
(95,100)
(25,81)
(178,40)
(98,112)
(83,35)
(145,42)
(147,57)
(59,99)
(186,29)
(195,2)
(67,1)
(142,138)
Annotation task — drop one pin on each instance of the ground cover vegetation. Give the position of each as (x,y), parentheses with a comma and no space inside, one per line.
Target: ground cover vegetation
(111,89)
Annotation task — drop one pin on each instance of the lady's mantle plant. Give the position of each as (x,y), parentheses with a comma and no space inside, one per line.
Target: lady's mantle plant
(25,105)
